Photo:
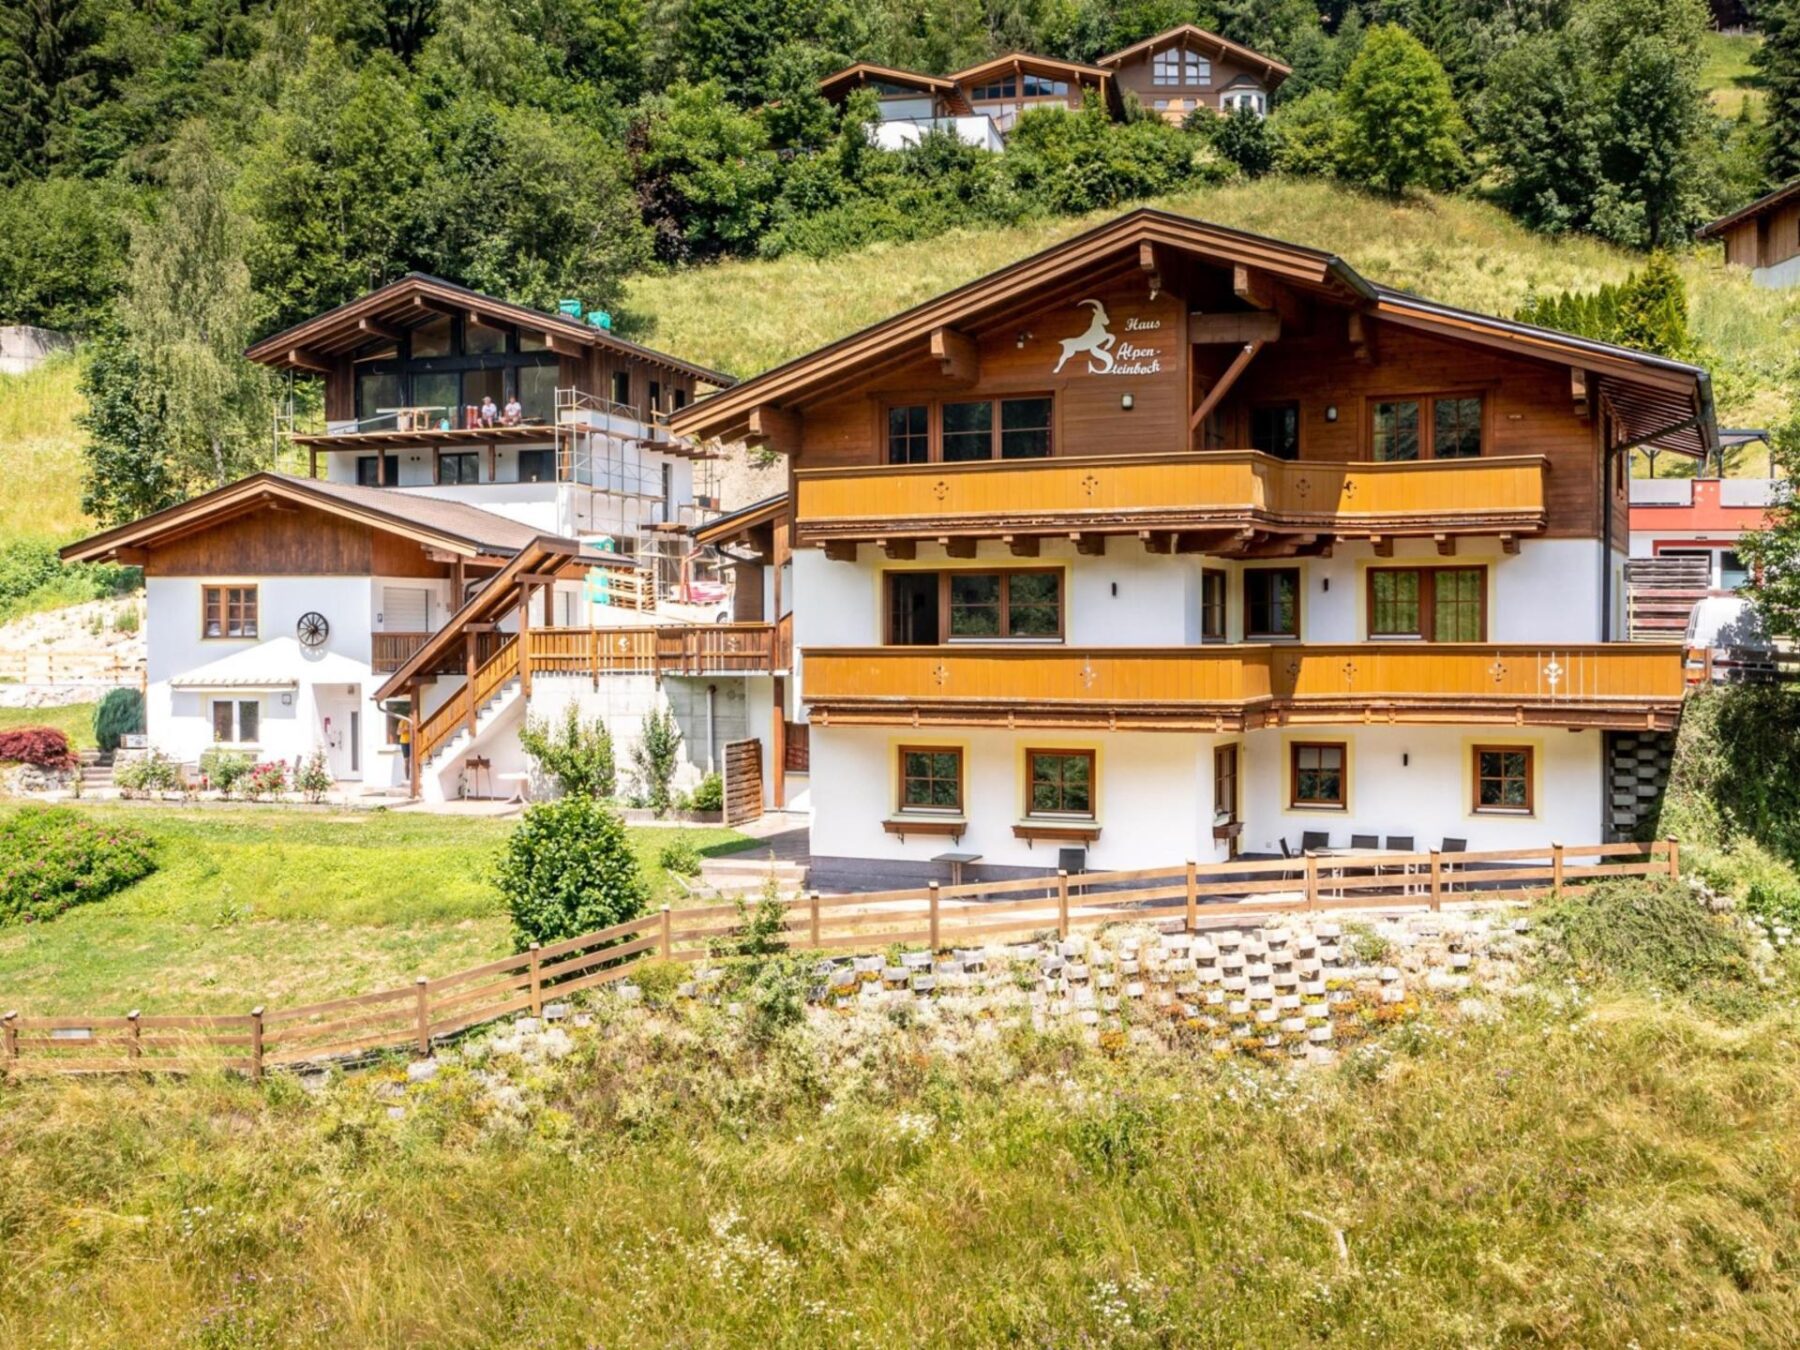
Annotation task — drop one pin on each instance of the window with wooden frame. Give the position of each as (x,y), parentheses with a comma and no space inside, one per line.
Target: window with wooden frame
(1427,426)
(228,611)
(1060,783)
(1275,430)
(1319,774)
(1225,781)
(236,721)
(1503,779)
(1434,604)
(1212,606)
(909,434)
(464,466)
(1022,604)
(966,430)
(931,779)
(1272,602)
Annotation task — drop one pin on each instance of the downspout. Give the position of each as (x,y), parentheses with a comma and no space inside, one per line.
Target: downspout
(712,762)
(1606,473)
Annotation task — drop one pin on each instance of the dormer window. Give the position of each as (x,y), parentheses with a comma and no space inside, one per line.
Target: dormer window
(1178,68)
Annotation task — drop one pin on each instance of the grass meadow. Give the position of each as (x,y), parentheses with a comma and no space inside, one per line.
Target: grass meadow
(271,905)
(1594,1163)
(74,720)
(40,447)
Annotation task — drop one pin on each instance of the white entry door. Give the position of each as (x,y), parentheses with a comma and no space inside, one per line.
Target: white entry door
(340,726)
(405,609)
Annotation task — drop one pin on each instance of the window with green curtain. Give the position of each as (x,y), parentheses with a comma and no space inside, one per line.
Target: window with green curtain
(1456,607)
(1394,611)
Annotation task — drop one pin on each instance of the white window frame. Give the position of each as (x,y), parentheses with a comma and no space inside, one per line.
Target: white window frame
(236,705)
(1254,99)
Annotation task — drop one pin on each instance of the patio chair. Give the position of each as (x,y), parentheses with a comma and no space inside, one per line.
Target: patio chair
(1453,846)
(1311,840)
(1401,843)
(1365,841)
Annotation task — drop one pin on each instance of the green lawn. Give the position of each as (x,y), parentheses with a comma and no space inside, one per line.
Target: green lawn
(76,720)
(281,905)
(1727,75)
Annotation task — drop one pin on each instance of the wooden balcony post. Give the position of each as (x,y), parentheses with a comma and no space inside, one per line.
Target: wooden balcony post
(594,655)
(1674,858)
(136,1049)
(934,916)
(1193,895)
(1437,880)
(1312,881)
(524,641)
(667,945)
(778,742)
(1062,904)
(812,904)
(422,1015)
(537,981)
(1556,866)
(469,665)
(256,1045)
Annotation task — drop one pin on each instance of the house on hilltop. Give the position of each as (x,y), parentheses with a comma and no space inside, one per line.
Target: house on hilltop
(1763,236)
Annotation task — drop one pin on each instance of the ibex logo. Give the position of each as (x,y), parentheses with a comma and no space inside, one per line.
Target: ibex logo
(1096,341)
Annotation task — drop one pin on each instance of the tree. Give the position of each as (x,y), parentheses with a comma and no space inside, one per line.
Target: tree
(49,68)
(128,468)
(1241,136)
(578,754)
(706,177)
(1543,119)
(656,757)
(568,869)
(62,252)
(1773,553)
(1400,126)
(1304,134)
(1778,58)
(190,313)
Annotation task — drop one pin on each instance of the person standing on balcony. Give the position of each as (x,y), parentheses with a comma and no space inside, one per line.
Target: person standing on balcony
(514,414)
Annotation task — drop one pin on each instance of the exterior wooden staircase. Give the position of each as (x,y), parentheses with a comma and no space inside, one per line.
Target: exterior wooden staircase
(475,704)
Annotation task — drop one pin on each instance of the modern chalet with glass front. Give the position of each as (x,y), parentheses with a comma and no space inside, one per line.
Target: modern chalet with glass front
(1177,541)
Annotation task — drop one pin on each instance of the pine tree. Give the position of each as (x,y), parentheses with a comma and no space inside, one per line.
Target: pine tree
(1778,58)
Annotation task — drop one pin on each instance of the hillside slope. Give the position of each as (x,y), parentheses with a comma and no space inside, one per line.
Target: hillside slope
(40,453)
(747,316)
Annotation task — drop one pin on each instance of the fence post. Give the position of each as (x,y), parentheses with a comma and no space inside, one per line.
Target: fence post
(594,654)
(537,983)
(1062,904)
(1193,894)
(667,939)
(812,905)
(1674,858)
(1312,881)
(933,916)
(423,1016)
(1437,880)
(256,1045)
(11,1023)
(1556,866)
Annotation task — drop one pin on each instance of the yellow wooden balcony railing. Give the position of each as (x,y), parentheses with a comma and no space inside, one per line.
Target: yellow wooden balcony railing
(1225,687)
(1234,489)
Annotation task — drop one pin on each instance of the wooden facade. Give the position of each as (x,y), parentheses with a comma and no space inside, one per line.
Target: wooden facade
(301,541)
(1763,235)
(1197,69)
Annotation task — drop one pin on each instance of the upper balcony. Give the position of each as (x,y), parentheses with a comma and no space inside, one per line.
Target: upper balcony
(1227,688)
(1207,502)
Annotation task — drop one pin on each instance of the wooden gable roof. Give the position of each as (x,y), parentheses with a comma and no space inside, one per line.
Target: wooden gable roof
(1656,400)
(1188,33)
(1787,192)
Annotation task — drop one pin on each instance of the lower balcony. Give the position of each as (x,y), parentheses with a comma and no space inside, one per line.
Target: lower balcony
(1209,502)
(1228,688)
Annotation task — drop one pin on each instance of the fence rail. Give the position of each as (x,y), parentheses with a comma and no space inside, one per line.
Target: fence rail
(416,1016)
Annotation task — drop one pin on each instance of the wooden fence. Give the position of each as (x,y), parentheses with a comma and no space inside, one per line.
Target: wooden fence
(415,1017)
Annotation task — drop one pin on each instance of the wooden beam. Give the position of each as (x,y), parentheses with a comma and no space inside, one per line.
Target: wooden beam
(1157,541)
(1021,545)
(1090,545)
(376,328)
(305,360)
(1362,337)
(1212,541)
(1252,287)
(1258,326)
(1509,543)
(1446,544)
(1280,546)
(1384,545)
(901,550)
(774,428)
(1150,265)
(1222,386)
(841,550)
(425,302)
(957,355)
(1578,391)
(958,548)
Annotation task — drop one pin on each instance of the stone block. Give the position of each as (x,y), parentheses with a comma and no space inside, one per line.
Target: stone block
(1312,988)
(1134,989)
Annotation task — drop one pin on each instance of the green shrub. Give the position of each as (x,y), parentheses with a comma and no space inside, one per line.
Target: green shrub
(154,772)
(268,779)
(120,713)
(55,857)
(710,794)
(1762,883)
(224,769)
(568,869)
(1736,772)
(577,754)
(656,755)
(33,577)
(776,998)
(679,856)
(313,778)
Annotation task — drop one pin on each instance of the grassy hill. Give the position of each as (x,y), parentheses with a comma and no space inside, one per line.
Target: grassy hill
(1731,81)
(747,316)
(40,453)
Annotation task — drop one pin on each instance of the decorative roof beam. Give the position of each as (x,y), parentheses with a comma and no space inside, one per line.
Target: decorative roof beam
(1216,394)
(774,428)
(957,355)
(306,360)
(1208,329)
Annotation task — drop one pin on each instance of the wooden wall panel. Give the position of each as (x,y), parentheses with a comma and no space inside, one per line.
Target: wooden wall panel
(1135,76)
(290,542)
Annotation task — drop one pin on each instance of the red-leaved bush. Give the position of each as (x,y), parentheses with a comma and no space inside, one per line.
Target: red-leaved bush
(45,747)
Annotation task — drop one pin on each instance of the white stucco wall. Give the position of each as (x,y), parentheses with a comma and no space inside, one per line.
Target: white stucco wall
(1782,274)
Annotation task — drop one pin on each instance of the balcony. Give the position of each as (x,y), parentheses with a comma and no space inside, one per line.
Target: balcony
(1213,499)
(1229,688)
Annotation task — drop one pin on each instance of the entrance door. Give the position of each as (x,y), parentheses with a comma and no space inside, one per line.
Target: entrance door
(1225,797)
(356,742)
(340,727)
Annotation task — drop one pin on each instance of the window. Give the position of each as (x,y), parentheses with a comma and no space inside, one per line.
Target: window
(537,466)
(437,394)
(909,434)
(1253,99)
(1441,426)
(431,338)
(926,608)
(228,611)
(656,396)
(1437,604)
(1318,772)
(1275,430)
(1212,606)
(1503,775)
(462,467)
(1060,782)
(481,340)
(998,89)
(483,384)
(1178,67)
(931,779)
(1272,602)
(236,721)
(1396,429)
(377,396)
(681,397)
(377,471)
(537,392)
(621,388)
(1225,781)
(968,431)
(1024,428)
(1042,86)
(1734,572)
